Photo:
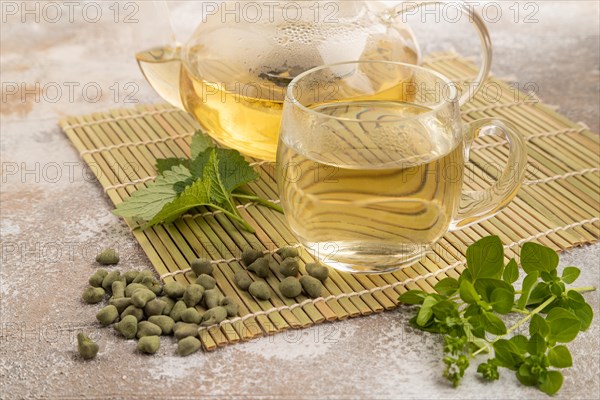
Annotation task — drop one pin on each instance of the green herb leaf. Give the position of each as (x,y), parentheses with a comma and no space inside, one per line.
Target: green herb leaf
(426,312)
(552,383)
(525,377)
(529,283)
(492,323)
(485,258)
(468,293)
(445,309)
(502,300)
(536,344)
(535,257)
(412,297)
(200,143)
(564,325)
(447,286)
(585,315)
(570,274)
(511,272)
(486,286)
(145,203)
(520,343)
(560,357)
(537,324)
(507,354)
(165,164)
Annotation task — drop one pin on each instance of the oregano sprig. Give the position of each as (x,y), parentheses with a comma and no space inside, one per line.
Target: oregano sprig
(213,177)
(470,312)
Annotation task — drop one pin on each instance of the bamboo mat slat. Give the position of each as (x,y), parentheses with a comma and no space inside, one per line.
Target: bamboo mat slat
(558,206)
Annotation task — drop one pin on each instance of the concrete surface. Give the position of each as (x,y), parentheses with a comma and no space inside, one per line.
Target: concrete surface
(54,217)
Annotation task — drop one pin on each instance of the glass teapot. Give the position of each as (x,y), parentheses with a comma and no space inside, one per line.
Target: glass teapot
(232,73)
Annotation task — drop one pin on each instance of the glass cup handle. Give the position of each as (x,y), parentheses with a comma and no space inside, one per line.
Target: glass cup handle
(484,37)
(478,205)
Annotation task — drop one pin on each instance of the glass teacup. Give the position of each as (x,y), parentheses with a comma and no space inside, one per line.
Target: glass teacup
(371,161)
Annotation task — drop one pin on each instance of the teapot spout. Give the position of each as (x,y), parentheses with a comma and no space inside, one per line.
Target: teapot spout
(161,67)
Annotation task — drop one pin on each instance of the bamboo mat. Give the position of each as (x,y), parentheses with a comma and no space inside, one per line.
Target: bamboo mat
(558,206)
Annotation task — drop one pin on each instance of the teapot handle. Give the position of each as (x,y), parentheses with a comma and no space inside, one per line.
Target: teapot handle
(484,36)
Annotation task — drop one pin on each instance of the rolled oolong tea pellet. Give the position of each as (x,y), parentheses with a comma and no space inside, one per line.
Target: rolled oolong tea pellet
(290,287)
(260,290)
(141,296)
(87,347)
(164,322)
(230,306)
(214,316)
(127,326)
(289,267)
(107,315)
(188,345)
(288,252)
(260,267)
(132,287)
(142,275)
(200,266)
(97,277)
(118,289)
(130,276)
(312,286)
(212,298)
(93,295)
(249,255)
(191,316)
(134,311)
(147,328)
(148,344)
(242,280)
(153,285)
(207,281)
(193,294)
(182,330)
(108,280)
(121,304)
(169,303)
(317,270)
(174,290)
(178,308)
(154,307)
(108,257)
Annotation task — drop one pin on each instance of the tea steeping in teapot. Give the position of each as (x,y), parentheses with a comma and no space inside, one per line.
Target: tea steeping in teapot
(233,72)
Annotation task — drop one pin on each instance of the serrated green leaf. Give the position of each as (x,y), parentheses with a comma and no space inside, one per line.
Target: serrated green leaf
(529,283)
(145,203)
(507,354)
(492,323)
(412,297)
(535,257)
(536,344)
(511,272)
(564,325)
(485,258)
(447,286)
(165,164)
(200,143)
(468,293)
(552,383)
(570,274)
(425,312)
(234,170)
(502,300)
(585,314)
(196,195)
(560,357)
(538,324)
